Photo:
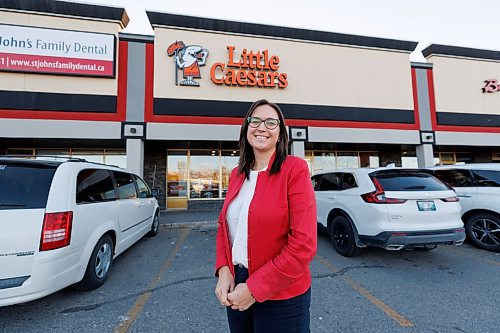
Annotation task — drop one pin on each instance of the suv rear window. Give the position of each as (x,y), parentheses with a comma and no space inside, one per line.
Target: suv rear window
(408,181)
(24,185)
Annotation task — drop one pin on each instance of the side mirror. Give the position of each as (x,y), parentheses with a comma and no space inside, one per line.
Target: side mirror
(155,192)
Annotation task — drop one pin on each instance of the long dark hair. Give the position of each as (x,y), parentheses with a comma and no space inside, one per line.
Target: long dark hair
(247,157)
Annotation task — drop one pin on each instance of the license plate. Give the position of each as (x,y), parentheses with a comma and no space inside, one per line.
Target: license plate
(426,206)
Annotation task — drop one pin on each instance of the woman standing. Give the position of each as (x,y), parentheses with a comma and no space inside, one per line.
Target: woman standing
(267,231)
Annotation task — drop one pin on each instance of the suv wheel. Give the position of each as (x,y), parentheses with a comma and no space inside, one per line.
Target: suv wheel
(342,237)
(155,226)
(483,230)
(99,265)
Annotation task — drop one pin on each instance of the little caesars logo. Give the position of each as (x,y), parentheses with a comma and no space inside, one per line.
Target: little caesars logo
(188,59)
(247,68)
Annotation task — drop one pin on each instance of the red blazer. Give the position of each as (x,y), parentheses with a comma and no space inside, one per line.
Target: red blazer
(282,236)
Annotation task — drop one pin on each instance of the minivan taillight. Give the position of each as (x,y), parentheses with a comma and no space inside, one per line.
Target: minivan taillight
(56,231)
(378,196)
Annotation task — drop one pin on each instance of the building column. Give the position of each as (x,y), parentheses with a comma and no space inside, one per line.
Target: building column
(135,156)
(298,138)
(425,155)
(298,149)
(425,151)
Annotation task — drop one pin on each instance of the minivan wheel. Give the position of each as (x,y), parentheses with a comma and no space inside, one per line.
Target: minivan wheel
(342,237)
(99,265)
(483,230)
(155,226)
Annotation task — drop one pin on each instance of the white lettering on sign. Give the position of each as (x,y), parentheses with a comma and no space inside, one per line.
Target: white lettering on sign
(31,49)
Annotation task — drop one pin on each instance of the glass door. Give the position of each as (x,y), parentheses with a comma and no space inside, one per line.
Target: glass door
(177,179)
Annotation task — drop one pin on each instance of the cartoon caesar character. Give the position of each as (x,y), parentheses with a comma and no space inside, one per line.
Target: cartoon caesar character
(189,59)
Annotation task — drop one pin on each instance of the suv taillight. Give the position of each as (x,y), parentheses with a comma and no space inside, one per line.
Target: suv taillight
(56,231)
(450,199)
(378,196)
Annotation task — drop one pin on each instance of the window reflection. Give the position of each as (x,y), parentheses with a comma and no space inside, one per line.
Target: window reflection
(319,160)
(177,175)
(88,155)
(347,160)
(324,160)
(204,174)
(229,160)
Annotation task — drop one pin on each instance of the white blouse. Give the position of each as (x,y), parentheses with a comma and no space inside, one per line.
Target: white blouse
(237,219)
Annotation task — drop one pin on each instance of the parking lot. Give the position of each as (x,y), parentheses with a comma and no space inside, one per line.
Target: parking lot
(165,284)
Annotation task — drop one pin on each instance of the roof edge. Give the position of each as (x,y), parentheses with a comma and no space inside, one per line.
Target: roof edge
(158,19)
(457,51)
(64,8)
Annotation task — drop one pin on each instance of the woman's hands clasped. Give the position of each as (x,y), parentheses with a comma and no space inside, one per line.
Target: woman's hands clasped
(239,298)
(225,285)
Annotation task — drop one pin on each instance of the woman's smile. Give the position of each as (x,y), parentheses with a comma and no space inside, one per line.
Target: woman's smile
(261,138)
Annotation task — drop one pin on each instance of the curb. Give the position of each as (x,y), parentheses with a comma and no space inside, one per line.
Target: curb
(180,225)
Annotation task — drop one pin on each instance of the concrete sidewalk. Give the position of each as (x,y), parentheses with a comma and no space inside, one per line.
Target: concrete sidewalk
(182,218)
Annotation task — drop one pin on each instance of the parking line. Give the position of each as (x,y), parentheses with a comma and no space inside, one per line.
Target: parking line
(139,304)
(393,314)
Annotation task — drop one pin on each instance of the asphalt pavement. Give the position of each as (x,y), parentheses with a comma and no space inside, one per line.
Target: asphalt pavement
(166,284)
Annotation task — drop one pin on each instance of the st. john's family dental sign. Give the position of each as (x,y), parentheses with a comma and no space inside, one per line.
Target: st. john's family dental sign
(41,50)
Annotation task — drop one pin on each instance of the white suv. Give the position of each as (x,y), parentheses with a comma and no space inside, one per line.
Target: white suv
(386,207)
(62,223)
(478,187)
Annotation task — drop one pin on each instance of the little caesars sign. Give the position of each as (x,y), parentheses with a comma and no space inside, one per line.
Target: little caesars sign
(248,68)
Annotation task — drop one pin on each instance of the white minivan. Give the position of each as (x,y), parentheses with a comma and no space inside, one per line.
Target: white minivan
(63,222)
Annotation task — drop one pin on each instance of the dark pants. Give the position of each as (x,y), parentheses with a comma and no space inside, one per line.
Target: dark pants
(289,315)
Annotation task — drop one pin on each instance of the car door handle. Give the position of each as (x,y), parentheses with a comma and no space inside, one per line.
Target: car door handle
(464,195)
(332,197)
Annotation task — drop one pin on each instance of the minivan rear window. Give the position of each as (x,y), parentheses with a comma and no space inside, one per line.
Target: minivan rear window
(408,181)
(94,185)
(24,185)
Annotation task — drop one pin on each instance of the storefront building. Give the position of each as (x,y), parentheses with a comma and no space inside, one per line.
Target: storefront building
(169,107)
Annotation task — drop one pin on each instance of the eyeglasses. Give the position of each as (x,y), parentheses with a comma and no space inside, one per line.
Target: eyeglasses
(270,123)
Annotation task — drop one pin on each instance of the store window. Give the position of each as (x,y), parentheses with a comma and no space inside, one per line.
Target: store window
(347,160)
(229,160)
(21,152)
(369,159)
(324,160)
(320,160)
(177,174)
(409,160)
(204,174)
(445,158)
(88,155)
(115,157)
(51,154)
